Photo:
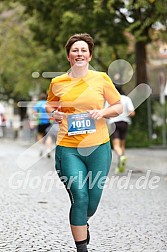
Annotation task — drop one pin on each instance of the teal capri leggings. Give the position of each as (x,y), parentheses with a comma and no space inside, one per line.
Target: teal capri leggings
(83,171)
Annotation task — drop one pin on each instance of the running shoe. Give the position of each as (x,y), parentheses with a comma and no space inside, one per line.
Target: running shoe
(122,164)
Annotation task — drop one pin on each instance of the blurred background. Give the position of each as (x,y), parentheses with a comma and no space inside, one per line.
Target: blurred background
(32,39)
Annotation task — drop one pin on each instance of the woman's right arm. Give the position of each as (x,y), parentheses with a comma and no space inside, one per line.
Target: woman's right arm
(53,107)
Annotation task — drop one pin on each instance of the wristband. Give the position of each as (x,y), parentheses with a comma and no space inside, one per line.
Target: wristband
(52,113)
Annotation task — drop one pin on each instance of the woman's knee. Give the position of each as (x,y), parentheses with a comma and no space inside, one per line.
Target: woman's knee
(94,200)
(78,211)
(81,198)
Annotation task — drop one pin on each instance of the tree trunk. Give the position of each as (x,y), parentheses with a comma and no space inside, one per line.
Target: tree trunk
(143,112)
(141,57)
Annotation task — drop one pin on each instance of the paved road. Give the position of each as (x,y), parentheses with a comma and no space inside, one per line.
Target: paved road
(34,207)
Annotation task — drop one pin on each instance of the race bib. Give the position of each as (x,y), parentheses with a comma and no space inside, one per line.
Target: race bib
(80,124)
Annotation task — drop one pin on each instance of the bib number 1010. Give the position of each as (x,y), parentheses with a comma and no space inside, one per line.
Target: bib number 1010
(81,123)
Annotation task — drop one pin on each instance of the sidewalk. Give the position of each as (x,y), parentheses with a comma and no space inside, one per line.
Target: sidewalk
(146,159)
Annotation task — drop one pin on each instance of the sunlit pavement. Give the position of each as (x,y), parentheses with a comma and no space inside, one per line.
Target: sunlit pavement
(34,204)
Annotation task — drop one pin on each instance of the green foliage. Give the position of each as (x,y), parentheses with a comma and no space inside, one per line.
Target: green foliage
(137,137)
(159,111)
(138,130)
(106,21)
(61,19)
(20,54)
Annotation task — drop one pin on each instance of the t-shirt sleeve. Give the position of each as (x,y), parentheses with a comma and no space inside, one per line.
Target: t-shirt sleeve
(111,94)
(52,99)
(130,106)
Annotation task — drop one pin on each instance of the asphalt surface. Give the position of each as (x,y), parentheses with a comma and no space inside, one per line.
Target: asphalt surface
(132,215)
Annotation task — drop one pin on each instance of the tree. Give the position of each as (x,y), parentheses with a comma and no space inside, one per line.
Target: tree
(20,55)
(139,18)
(106,20)
(60,19)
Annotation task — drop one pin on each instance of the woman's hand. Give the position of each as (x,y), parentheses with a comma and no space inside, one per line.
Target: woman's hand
(111,111)
(96,114)
(57,115)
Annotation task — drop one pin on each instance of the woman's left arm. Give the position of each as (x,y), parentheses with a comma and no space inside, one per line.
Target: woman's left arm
(111,111)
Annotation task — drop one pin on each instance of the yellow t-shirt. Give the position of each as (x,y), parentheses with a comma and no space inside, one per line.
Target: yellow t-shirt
(77,95)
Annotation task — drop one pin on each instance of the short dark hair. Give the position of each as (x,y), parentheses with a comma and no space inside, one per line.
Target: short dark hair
(43,96)
(78,37)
